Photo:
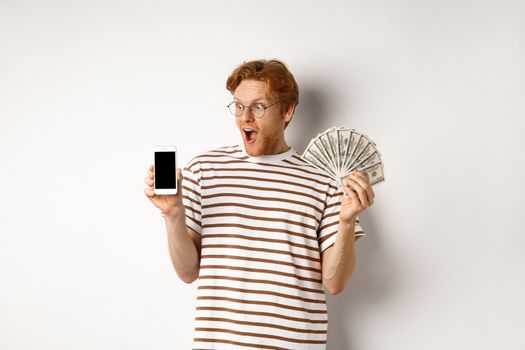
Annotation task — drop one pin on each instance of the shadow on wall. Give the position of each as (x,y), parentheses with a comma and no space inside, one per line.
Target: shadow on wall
(308,119)
(371,284)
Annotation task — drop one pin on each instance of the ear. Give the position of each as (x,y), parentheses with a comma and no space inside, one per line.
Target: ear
(288,114)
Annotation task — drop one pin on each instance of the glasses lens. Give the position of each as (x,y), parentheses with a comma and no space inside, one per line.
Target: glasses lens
(258,110)
(235,108)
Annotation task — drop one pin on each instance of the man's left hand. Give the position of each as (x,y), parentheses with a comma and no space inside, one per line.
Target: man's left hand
(360,197)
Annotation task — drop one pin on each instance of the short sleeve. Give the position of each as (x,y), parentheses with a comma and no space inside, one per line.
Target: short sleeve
(191,195)
(327,231)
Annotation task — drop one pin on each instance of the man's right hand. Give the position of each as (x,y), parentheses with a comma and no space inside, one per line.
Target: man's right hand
(168,204)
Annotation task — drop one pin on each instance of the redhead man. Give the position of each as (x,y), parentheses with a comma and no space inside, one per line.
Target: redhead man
(264,232)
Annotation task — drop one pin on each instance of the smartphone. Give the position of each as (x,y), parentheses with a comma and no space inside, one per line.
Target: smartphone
(165,162)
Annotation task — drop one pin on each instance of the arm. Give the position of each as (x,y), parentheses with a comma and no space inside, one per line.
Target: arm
(184,243)
(184,246)
(338,261)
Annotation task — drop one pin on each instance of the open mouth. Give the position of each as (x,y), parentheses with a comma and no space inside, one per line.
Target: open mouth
(249,135)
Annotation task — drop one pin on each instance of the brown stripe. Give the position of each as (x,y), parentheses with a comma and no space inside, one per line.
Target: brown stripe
(191,200)
(188,226)
(259,335)
(242,161)
(315,169)
(306,236)
(213,340)
(192,191)
(265,199)
(267,303)
(190,180)
(226,152)
(259,218)
(302,160)
(207,154)
(333,214)
(224,204)
(273,272)
(261,324)
(191,171)
(236,160)
(219,162)
(261,188)
(260,250)
(329,225)
(338,203)
(336,213)
(195,221)
(251,238)
(254,280)
(329,215)
(282,295)
(330,196)
(193,210)
(268,172)
(267,314)
(262,179)
(325,237)
(269,261)
(356,237)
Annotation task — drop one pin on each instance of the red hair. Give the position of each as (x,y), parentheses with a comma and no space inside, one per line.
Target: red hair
(279,80)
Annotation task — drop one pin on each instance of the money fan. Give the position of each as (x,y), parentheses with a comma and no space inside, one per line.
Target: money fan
(338,151)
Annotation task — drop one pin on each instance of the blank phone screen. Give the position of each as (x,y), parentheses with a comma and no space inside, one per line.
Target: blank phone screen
(165,176)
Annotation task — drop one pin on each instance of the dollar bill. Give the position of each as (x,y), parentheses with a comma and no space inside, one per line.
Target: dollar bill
(338,151)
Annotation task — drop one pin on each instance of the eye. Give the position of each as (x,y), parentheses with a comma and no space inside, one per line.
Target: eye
(239,106)
(258,107)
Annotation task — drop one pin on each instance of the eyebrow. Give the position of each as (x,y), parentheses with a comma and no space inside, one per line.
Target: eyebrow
(257,99)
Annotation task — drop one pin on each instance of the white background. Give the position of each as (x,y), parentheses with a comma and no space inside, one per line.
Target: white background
(87,88)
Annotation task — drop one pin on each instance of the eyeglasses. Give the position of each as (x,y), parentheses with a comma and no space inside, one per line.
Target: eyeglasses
(257,109)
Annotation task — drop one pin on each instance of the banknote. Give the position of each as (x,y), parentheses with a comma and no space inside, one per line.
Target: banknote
(338,151)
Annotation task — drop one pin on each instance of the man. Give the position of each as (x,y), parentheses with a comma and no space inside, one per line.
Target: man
(261,229)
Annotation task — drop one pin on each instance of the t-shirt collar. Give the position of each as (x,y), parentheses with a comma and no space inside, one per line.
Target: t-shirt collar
(266,158)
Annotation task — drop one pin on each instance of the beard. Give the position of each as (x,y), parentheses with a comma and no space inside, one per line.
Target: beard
(263,145)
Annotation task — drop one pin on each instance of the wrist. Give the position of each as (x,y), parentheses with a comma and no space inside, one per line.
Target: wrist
(348,221)
(171,213)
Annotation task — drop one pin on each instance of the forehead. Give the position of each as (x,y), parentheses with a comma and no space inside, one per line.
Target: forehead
(251,90)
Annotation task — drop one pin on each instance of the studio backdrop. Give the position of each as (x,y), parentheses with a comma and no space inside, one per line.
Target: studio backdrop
(87,89)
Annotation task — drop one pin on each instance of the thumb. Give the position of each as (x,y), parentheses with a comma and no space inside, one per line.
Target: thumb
(179,178)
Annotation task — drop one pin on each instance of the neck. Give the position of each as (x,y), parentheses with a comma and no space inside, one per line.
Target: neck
(279,147)
(276,148)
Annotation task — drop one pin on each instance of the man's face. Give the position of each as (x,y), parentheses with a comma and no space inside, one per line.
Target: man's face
(268,131)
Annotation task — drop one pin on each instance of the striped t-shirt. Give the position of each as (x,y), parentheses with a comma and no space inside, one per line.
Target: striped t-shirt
(264,222)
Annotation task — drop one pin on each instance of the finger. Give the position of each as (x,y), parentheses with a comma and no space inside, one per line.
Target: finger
(179,181)
(364,183)
(352,195)
(149,193)
(148,180)
(360,192)
(360,175)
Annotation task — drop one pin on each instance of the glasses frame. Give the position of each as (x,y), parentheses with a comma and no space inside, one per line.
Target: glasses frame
(250,108)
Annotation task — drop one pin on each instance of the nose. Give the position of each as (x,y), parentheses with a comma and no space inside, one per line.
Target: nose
(247,114)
